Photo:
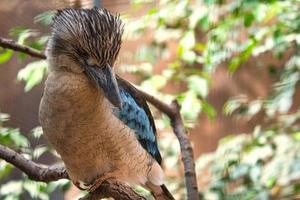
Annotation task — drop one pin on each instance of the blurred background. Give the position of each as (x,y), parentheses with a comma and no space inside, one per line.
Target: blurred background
(233,66)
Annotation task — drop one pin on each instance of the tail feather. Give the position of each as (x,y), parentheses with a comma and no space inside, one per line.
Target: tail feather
(160,192)
(166,192)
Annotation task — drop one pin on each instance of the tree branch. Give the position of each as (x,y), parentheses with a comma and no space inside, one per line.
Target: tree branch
(10,44)
(173,112)
(33,170)
(118,190)
(112,188)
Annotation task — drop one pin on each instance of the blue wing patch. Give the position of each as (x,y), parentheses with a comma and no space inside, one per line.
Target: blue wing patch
(136,118)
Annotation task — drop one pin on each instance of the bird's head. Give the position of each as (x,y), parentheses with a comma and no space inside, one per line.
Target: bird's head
(87,41)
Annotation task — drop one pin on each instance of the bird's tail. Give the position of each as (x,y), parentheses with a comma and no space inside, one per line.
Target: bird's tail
(160,192)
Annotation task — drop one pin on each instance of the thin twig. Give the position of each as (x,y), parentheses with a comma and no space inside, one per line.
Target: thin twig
(172,111)
(10,44)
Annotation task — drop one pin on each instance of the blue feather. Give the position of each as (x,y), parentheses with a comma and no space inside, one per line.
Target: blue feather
(136,118)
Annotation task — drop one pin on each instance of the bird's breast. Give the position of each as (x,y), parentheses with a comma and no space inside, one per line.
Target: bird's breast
(79,123)
(103,145)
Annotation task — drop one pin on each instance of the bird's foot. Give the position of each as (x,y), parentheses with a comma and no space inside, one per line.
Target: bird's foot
(98,182)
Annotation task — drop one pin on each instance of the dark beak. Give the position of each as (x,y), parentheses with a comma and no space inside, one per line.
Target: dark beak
(105,79)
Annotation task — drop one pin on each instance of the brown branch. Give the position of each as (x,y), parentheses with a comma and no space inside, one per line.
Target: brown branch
(172,111)
(117,190)
(10,44)
(33,170)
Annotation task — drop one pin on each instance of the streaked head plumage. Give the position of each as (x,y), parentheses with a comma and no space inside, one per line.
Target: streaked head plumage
(92,34)
(87,42)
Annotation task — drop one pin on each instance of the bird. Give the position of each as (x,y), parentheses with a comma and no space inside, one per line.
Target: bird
(98,123)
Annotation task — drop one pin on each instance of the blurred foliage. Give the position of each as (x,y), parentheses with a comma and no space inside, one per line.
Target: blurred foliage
(32,74)
(263,165)
(192,39)
(208,33)
(16,189)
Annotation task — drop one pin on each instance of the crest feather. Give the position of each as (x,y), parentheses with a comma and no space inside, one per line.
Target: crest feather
(94,32)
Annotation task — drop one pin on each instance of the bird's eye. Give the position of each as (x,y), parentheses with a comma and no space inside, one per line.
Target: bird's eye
(91,61)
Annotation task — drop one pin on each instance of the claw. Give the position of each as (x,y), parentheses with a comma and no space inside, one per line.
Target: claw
(98,182)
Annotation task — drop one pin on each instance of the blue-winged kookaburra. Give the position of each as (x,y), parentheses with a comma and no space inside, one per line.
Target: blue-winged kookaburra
(95,120)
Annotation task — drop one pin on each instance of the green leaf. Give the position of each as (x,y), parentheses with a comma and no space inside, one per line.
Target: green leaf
(244,55)
(233,104)
(5,55)
(12,137)
(40,43)
(200,46)
(190,105)
(189,56)
(37,132)
(24,35)
(46,18)
(226,139)
(239,171)
(36,189)
(19,139)
(254,107)
(296,136)
(208,2)
(4,117)
(271,182)
(234,64)
(142,191)
(188,40)
(16,31)
(198,84)
(12,187)
(282,99)
(204,23)
(209,110)
(146,54)
(63,184)
(33,73)
(248,19)
(38,151)
(152,11)
(156,82)
(5,169)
